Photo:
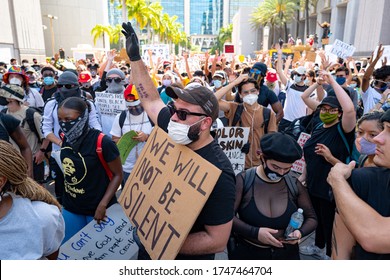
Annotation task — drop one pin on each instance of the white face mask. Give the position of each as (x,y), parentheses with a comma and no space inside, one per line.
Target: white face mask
(134,103)
(250,99)
(166,82)
(179,132)
(307,82)
(15,81)
(297,79)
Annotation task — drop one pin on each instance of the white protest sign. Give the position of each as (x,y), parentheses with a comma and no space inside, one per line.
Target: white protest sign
(165,193)
(158,51)
(110,104)
(299,165)
(342,49)
(231,140)
(332,57)
(386,54)
(109,240)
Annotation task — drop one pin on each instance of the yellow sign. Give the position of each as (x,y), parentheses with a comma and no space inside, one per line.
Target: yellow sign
(165,193)
(241,58)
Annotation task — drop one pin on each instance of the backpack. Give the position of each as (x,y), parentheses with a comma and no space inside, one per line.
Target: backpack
(250,175)
(266,117)
(99,152)
(122,119)
(305,124)
(30,119)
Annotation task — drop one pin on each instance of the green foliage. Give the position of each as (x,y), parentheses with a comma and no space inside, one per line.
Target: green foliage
(224,35)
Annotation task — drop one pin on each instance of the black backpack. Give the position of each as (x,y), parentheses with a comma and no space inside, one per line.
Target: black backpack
(30,119)
(266,117)
(305,124)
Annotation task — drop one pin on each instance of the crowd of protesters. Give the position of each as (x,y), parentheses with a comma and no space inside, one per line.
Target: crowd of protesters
(52,117)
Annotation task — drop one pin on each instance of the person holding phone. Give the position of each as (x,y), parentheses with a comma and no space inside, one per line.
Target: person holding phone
(265,202)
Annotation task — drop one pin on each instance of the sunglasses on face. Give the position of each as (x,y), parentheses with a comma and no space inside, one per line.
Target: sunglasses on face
(116,80)
(182,114)
(330,110)
(67,86)
(301,75)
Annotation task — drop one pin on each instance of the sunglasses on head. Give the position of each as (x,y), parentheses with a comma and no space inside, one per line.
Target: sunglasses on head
(182,114)
(255,71)
(66,86)
(116,80)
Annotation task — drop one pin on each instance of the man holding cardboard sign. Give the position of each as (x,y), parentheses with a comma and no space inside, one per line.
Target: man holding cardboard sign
(188,123)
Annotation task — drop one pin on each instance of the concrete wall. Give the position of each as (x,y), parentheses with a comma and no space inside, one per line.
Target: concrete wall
(74,24)
(246,40)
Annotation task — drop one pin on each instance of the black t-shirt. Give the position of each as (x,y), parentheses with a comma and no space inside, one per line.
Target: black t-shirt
(316,166)
(8,125)
(372,184)
(86,179)
(48,93)
(266,96)
(219,208)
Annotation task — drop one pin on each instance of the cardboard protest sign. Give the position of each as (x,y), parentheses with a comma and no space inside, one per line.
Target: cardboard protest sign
(299,165)
(231,140)
(109,240)
(165,193)
(342,49)
(125,144)
(311,56)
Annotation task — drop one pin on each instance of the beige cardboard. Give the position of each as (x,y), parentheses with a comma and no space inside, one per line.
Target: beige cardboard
(165,193)
(297,56)
(311,56)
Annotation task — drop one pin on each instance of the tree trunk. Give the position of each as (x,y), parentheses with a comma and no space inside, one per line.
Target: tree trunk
(297,31)
(285,32)
(307,18)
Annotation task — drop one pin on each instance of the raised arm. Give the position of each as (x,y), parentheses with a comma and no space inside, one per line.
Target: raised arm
(279,66)
(370,69)
(148,93)
(310,103)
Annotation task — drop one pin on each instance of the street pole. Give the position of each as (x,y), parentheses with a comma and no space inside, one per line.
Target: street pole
(51,17)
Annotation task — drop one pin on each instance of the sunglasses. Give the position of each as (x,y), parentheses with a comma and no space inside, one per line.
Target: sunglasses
(255,71)
(67,86)
(301,75)
(116,80)
(182,114)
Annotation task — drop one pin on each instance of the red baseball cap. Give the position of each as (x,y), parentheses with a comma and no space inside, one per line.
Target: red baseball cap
(271,77)
(85,77)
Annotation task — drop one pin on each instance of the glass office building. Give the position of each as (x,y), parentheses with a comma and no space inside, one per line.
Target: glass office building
(174,8)
(234,5)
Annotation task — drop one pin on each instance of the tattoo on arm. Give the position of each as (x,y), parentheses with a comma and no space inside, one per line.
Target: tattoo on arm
(141,91)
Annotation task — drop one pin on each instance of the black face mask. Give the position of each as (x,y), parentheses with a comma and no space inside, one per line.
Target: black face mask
(136,110)
(194,131)
(70,92)
(272,175)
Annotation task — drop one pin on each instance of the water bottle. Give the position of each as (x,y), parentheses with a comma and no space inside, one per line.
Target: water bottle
(296,222)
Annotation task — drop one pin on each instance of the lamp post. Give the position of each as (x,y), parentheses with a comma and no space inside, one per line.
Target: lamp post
(265,37)
(51,17)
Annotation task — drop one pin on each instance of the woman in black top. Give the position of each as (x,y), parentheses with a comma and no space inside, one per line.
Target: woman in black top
(88,189)
(264,209)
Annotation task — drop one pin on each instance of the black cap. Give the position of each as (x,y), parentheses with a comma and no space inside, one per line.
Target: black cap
(198,73)
(198,95)
(260,66)
(280,147)
(331,101)
(386,116)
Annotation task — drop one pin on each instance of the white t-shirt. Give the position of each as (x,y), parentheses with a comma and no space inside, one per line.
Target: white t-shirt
(30,230)
(294,107)
(136,123)
(370,97)
(34,98)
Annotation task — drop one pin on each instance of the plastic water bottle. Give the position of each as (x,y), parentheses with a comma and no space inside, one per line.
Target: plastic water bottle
(296,222)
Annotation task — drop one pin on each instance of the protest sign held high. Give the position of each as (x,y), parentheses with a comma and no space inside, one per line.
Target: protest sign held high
(342,49)
(231,140)
(165,193)
(109,240)
(299,165)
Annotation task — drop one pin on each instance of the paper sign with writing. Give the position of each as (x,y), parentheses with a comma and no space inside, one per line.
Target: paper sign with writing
(342,49)
(299,165)
(165,193)
(231,140)
(110,104)
(158,51)
(109,240)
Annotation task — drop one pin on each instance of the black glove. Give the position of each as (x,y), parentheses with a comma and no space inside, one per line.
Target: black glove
(132,44)
(245,148)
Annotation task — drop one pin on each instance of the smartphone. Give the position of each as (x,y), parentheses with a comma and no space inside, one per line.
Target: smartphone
(290,238)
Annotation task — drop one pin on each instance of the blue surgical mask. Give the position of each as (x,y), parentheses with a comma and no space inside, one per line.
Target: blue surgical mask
(367,147)
(341,80)
(48,81)
(297,79)
(217,83)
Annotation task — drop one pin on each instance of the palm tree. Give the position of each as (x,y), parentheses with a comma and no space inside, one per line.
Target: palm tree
(304,4)
(224,35)
(113,33)
(276,13)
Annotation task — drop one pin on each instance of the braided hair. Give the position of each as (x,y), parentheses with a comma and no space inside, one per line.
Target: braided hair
(14,168)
